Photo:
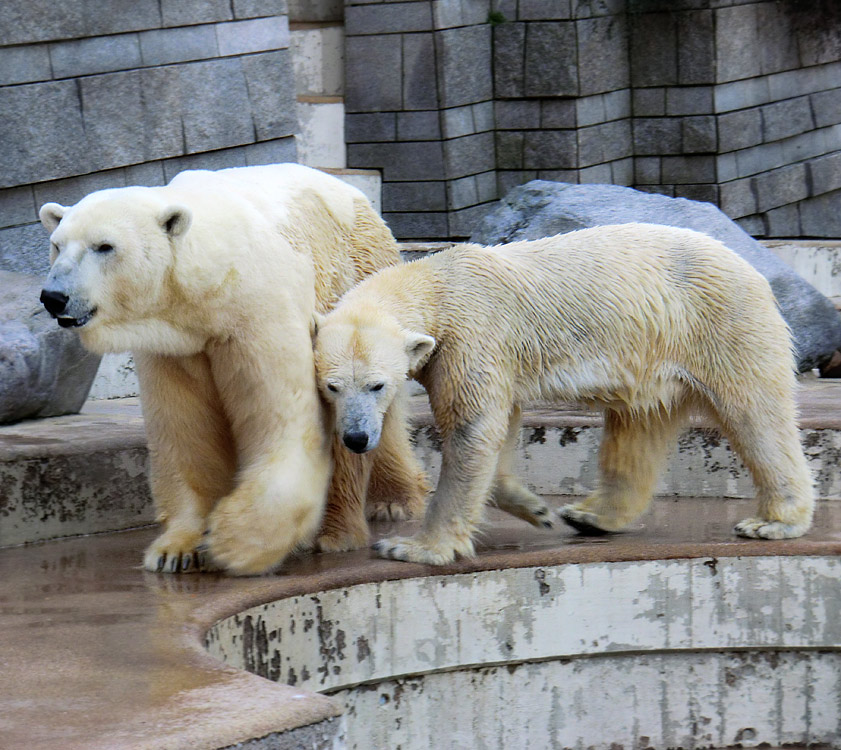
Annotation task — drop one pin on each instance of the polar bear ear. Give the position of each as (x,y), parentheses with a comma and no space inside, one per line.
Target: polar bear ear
(50,215)
(316,322)
(418,348)
(175,220)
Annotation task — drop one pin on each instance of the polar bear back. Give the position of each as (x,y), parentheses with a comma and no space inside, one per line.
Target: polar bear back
(607,311)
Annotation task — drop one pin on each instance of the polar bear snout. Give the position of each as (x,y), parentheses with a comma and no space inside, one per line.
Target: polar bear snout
(357,441)
(54,301)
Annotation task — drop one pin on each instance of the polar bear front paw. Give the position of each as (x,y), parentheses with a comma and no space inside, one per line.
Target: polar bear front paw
(416,549)
(334,542)
(759,528)
(177,551)
(583,521)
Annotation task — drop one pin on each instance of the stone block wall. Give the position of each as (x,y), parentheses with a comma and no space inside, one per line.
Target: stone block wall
(131,92)
(736,102)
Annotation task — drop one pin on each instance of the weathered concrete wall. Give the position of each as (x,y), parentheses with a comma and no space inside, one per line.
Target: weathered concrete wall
(679,653)
(128,93)
(736,103)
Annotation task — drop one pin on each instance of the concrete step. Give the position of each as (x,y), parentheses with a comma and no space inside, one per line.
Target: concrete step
(321,140)
(86,473)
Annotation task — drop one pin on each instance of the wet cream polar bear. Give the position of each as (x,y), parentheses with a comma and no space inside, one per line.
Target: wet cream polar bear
(649,322)
(212,282)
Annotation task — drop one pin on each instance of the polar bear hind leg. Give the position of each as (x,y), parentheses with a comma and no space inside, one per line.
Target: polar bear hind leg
(633,449)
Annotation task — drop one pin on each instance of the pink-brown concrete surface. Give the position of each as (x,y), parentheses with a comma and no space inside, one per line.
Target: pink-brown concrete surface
(97,653)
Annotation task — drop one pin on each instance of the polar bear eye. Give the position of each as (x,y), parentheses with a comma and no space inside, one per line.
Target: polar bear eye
(376,387)
(332,388)
(104,248)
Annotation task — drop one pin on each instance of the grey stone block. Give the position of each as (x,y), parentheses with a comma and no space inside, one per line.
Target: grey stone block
(451,13)
(742,94)
(44,371)
(751,161)
(740,129)
(418,126)
(752,225)
(487,187)
(603,50)
(811,144)
(653,64)
(162,95)
(421,160)
(647,170)
(25,249)
(278,151)
(373,73)
(827,107)
(179,13)
(509,149)
(388,18)
(726,169)
(656,135)
(483,116)
(461,222)
(824,174)
(419,88)
(150,174)
(689,100)
(464,72)
(737,43)
(220,159)
(557,175)
(458,122)
(684,170)
(787,118)
(71,190)
(121,16)
(738,198)
(215,108)
(41,136)
(604,143)
(778,40)
(469,155)
(544,10)
(319,10)
(508,180)
(781,186)
(818,33)
(271,91)
(368,128)
(414,196)
(418,226)
(25,64)
(508,62)
(698,134)
(462,193)
(617,104)
(542,209)
(596,175)
(820,217)
(517,114)
(622,171)
(17,206)
(589,110)
(551,63)
(104,54)
(695,47)
(550,149)
(255,35)
(783,221)
(166,46)
(556,114)
(649,102)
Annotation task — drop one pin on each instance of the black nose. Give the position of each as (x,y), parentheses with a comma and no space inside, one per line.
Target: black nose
(55,302)
(356,441)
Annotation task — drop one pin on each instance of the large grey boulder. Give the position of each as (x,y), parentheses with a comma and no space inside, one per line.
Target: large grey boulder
(541,209)
(44,370)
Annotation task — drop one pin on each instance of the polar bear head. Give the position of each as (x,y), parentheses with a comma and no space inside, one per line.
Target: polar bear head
(112,255)
(362,358)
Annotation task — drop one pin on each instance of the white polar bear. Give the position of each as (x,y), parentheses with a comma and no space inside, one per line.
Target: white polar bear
(212,282)
(649,322)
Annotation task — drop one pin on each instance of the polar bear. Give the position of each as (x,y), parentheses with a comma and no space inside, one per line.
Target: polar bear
(649,322)
(212,282)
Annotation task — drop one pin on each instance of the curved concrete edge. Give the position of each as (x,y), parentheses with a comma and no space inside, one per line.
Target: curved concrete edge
(99,654)
(686,652)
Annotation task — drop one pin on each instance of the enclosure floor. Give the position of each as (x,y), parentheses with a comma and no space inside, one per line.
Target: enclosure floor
(96,653)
